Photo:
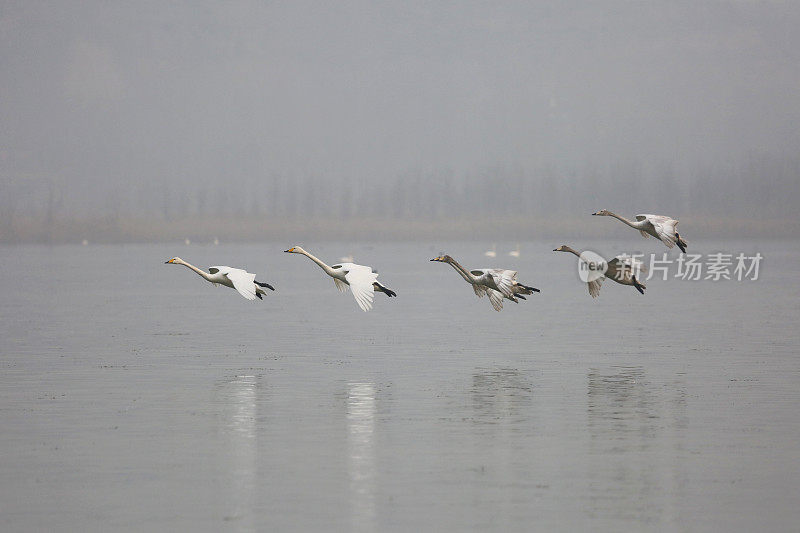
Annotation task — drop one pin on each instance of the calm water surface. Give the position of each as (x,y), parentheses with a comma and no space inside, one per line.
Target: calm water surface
(135,396)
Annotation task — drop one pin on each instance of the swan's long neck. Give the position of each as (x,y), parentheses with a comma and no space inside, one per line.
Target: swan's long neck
(631,223)
(328,270)
(202,273)
(572,251)
(467,275)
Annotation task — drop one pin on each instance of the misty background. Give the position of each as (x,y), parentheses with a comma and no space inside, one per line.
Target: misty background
(152,121)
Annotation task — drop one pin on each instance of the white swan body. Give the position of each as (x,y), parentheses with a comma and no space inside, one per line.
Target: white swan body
(661,227)
(621,269)
(362,280)
(493,282)
(240,280)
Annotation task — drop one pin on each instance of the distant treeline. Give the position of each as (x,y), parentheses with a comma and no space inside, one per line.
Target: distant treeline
(762,195)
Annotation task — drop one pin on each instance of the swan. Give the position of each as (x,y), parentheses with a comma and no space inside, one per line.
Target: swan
(363,280)
(660,227)
(514,253)
(620,269)
(244,282)
(492,252)
(495,282)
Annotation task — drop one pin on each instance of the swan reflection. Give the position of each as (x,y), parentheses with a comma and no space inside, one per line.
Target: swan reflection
(239,408)
(632,425)
(361,453)
(499,395)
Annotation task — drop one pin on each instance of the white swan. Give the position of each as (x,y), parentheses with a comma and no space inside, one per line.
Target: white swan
(492,252)
(514,253)
(660,227)
(621,269)
(363,280)
(244,282)
(494,282)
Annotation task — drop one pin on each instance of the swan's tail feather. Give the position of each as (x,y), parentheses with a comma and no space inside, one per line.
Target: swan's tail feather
(266,285)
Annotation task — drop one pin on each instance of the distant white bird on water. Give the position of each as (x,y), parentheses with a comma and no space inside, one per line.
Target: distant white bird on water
(514,253)
(659,226)
(244,282)
(621,269)
(494,282)
(492,252)
(362,280)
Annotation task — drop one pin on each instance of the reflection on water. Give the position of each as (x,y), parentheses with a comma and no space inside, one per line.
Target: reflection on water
(500,395)
(501,400)
(361,454)
(239,397)
(635,439)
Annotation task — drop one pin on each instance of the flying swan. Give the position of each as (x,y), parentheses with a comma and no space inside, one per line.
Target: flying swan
(621,269)
(244,282)
(660,227)
(495,282)
(363,281)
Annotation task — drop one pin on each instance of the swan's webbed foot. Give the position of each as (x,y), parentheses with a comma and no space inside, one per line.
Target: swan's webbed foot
(639,286)
(680,242)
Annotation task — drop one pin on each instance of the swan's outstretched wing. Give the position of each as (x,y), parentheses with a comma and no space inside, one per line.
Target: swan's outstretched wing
(496,298)
(594,287)
(663,226)
(243,281)
(361,279)
(480,290)
(504,279)
(341,285)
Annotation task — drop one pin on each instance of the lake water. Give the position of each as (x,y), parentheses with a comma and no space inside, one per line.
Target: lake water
(134,396)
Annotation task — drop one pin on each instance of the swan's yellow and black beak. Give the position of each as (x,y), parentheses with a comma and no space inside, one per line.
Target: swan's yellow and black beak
(290,250)
(168,262)
(437,259)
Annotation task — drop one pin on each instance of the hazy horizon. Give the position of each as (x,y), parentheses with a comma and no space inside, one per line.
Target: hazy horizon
(147,115)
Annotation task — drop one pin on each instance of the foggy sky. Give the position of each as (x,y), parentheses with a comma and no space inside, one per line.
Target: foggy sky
(99,96)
